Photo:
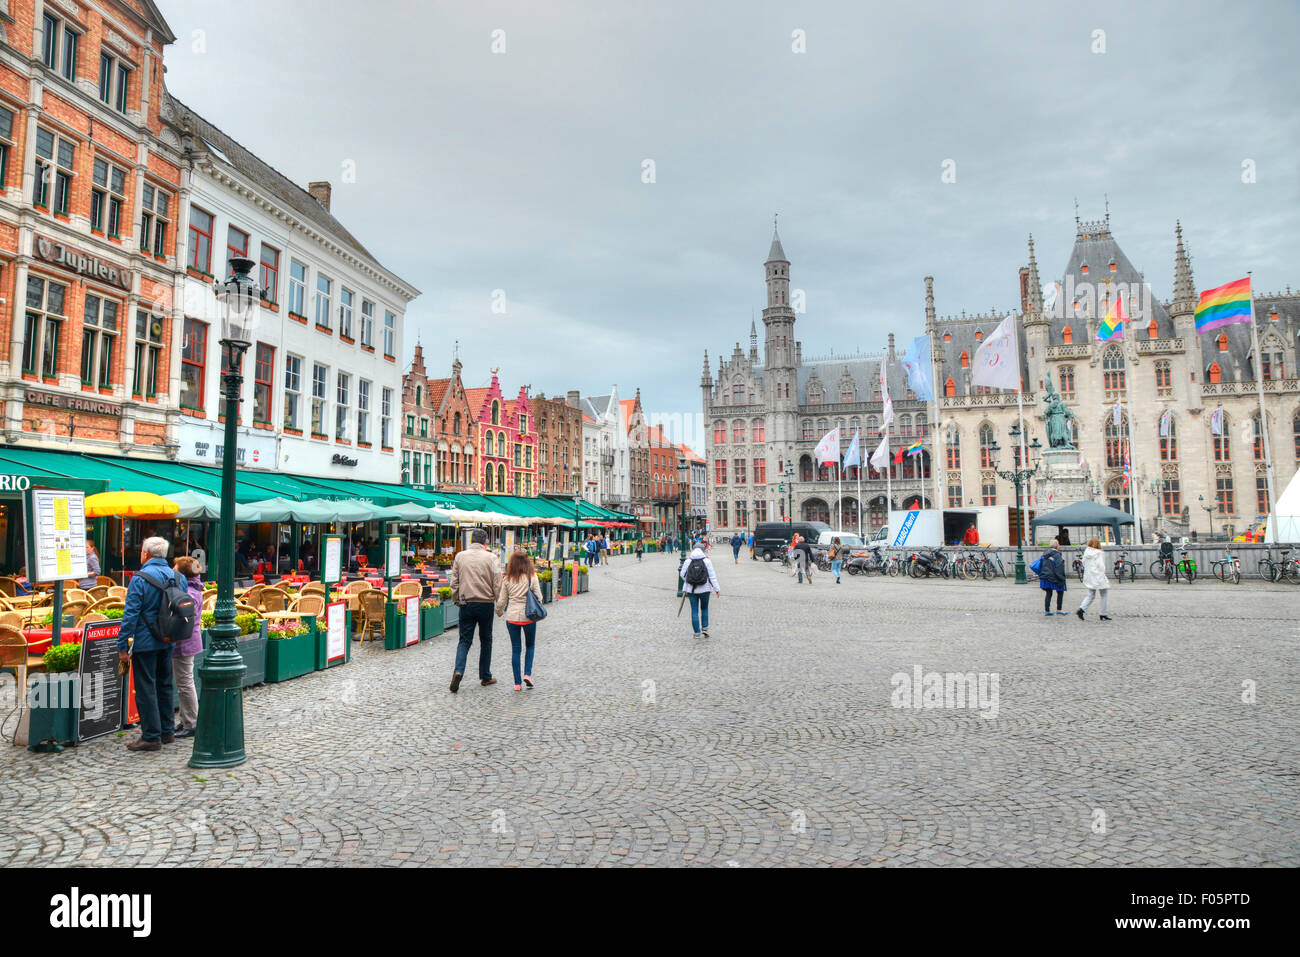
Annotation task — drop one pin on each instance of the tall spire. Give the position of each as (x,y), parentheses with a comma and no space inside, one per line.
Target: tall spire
(1035,290)
(776,254)
(1184,287)
(706,377)
(753,340)
(929,304)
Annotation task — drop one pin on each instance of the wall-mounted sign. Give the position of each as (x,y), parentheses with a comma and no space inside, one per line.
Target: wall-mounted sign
(204,443)
(73,403)
(81,263)
(343,460)
(15,483)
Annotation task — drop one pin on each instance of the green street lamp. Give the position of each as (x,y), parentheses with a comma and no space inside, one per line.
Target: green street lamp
(1018,476)
(683,480)
(219,734)
(789,491)
(573,579)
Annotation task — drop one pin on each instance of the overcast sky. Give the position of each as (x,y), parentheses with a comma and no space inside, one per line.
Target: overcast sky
(522,171)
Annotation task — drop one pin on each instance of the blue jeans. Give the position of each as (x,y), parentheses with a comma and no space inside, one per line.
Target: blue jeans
(529,634)
(152,673)
(835,568)
(699,610)
(474,613)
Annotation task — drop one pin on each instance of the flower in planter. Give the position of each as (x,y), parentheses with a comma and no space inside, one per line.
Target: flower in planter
(430,603)
(62,658)
(248,623)
(444,593)
(582,569)
(545,575)
(286,628)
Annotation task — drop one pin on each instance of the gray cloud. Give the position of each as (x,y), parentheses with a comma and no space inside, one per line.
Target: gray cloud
(521,171)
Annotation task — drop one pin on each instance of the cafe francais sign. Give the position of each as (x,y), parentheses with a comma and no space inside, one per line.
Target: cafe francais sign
(81,263)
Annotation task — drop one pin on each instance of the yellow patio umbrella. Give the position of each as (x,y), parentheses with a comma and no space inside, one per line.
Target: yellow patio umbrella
(123,504)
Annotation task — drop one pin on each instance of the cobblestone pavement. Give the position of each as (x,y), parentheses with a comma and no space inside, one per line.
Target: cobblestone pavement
(772,742)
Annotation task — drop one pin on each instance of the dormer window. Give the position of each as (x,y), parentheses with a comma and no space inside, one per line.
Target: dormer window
(1084,268)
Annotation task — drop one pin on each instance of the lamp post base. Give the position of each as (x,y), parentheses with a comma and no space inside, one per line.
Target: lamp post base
(219,734)
(1021,576)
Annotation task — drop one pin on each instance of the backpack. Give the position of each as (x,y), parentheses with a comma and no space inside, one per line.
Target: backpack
(177,611)
(696,573)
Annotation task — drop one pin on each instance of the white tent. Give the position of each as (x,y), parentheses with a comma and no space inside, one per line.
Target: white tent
(1285,525)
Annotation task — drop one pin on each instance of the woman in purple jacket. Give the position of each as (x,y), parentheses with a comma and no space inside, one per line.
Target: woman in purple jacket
(183,654)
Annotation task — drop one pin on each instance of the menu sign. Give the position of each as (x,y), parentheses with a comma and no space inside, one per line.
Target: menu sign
(101,687)
(56,534)
(335,631)
(333,568)
(413,620)
(393,554)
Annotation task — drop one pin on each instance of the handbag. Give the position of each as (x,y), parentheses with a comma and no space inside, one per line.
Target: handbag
(1036,565)
(533,609)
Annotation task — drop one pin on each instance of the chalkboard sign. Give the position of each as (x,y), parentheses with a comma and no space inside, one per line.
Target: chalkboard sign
(100,686)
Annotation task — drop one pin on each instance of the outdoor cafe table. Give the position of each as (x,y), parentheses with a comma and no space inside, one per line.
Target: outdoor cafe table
(40,639)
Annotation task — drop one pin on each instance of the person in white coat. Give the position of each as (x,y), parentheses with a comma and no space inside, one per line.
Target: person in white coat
(1094,578)
(698,581)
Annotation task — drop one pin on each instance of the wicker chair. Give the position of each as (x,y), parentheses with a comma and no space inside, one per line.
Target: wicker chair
(105,603)
(309,605)
(313,588)
(117,592)
(356,587)
(9,587)
(11,618)
(273,599)
(98,592)
(407,590)
(76,594)
(14,657)
(91,616)
(372,612)
(253,596)
(106,581)
(244,609)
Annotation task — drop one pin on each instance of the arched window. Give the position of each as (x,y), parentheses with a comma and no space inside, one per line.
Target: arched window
(1066,377)
(814,394)
(952,449)
(1223,342)
(1067,335)
(487,479)
(1222,444)
(1117,495)
(855,424)
(1112,371)
(965,359)
(1259,442)
(756,431)
(487,440)
(822,426)
(1116,441)
(922,424)
(1169,443)
(905,425)
(496,413)
(719,432)
(805,468)
(456,424)
(950,387)
(986,446)
(519,460)
(873,425)
(1153,330)
(738,430)
(1164,377)
(1214,373)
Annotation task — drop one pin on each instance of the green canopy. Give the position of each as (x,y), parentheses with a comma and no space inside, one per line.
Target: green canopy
(196,505)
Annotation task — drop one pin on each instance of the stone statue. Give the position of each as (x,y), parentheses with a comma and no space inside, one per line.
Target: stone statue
(1058,416)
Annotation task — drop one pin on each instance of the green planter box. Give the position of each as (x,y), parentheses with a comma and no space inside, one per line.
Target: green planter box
(290,657)
(53,714)
(450,615)
(583,584)
(431,622)
(253,650)
(548,592)
(566,582)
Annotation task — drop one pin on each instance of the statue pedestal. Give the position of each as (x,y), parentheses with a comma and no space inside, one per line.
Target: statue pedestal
(1061,480)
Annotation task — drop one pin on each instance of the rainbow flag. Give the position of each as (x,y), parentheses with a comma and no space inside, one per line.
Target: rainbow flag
(1223,306)
(1112,327)
(914,449)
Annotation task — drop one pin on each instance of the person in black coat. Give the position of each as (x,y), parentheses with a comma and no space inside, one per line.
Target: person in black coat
(1051,578)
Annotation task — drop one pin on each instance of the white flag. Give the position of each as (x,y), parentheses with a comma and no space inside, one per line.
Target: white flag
(1050,296)
(828,449)
(997,361)
(1114,418)
(1216,421)
(889,405)
(1164,423)
(880,457)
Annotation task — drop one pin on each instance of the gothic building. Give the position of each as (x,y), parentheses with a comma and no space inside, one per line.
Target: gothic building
(766,413)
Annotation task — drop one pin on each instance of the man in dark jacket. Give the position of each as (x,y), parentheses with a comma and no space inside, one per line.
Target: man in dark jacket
(736,541)
(1051,578)
(151,657)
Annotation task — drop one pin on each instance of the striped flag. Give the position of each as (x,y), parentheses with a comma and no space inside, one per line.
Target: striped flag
(1112,327)
(1224,306)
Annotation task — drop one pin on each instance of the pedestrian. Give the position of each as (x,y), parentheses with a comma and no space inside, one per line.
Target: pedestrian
(803,559)
(640,548)
(736,541)
(837,558)
(1094,578)
(752,556)
(92,566)
(1051,577)
(475,582)
(512,603)
(140,643)
(698,580)
(972,536)
(187,699)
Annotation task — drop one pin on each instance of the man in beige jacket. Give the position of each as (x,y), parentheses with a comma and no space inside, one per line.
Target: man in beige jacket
(475,581)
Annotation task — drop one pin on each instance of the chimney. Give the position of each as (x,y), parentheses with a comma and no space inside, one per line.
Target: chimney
(321,193)
(573,398)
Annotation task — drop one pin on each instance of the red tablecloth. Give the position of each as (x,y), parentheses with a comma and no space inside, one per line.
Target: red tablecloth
(40,639)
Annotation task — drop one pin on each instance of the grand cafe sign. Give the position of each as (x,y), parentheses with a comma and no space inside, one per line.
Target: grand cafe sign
(81,263)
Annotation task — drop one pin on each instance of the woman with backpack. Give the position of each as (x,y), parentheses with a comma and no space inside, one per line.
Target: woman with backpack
(837,558)
(698,580)
(1051,578)
(187,698)
(519,580)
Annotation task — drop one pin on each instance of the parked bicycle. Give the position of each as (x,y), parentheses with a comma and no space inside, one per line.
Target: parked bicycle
(1228,568)
(1166,568)
(1123,568)
(1283,568)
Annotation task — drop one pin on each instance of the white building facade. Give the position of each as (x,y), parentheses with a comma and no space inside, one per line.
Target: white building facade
(322,390)
(606,460)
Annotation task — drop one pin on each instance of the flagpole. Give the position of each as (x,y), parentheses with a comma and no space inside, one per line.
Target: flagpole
(889,472)
(934,428)
(839,493)
(1024,462)
(1263,419)
(859,485)
(1134,491)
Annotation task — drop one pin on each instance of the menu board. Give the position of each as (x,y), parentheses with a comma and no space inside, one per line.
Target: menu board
(510,543)
(393,565)
(56,534)
(333,567)
(336,636)
(412,620)
(100,686)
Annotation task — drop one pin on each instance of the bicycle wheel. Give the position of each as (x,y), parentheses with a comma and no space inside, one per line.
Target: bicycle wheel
(1266,570)
(1293,573)
(892,569)
(1158,569)
(1236,574)
(986,569)
(1189,572)
(1221,570)
(1170,570)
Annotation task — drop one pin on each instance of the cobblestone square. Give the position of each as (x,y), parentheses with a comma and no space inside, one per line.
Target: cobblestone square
(773,742)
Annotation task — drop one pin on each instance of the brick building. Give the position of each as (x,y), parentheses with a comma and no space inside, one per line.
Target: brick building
(455,421)
(88,270)
(508,440)
(420,400)
(559,443)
